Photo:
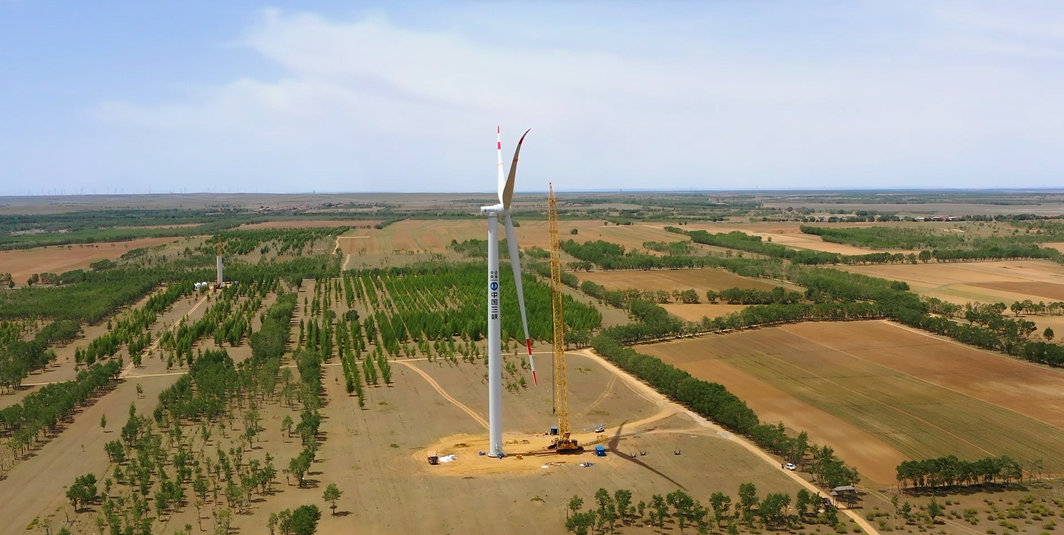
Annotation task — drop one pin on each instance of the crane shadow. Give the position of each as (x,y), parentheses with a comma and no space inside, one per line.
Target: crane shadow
(616,440)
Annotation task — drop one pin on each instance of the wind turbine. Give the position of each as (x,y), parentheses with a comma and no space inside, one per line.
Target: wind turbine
(506,194)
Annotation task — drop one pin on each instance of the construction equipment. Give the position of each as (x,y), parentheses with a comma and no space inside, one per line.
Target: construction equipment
(434,458)
(562,444)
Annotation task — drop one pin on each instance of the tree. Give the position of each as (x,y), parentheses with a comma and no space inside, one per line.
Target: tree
(305,520)
(575,503)
(286,425)
(934,510)
(660,510)
(103,422)
(82,491)
(332,493)
(773,508)
(623,499)
(747,501)
(580,523)
(1048,334)
(720,503)
(683,504)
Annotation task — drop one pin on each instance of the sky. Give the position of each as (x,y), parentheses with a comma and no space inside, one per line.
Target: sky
(241,96)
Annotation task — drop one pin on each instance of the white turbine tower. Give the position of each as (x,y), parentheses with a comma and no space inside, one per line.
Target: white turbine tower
(506,194)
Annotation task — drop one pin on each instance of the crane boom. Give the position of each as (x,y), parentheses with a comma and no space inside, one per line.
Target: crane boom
(563,444)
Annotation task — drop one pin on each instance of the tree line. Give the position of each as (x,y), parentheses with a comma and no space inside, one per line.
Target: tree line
(614,511)
(41,412)
(950,471)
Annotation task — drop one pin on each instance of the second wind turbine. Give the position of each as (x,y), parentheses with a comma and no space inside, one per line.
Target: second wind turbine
(506,194)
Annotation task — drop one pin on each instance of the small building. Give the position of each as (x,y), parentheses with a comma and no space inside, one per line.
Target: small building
(600,450)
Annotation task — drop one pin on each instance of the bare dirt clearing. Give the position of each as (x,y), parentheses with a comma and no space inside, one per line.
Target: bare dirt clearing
(23,263)
(922,396)
(700,280)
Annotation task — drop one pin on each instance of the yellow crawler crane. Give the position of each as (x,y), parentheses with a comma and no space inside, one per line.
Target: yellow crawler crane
(562,444)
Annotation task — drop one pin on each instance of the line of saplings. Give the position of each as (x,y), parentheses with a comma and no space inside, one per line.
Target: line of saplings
(950,471)
(220,320)
(284,240)
(131,328)
(440,301)
(683,510)
(19,357)
(43,410)
(711,400)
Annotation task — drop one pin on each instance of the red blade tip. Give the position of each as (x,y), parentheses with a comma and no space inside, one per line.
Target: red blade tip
(534,380)
(529,344)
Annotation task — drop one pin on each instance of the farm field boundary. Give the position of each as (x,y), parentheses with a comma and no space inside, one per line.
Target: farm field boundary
(915,416)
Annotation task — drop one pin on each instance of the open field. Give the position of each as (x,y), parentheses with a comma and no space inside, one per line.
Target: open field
(701,280)
(922,396)
(23,263)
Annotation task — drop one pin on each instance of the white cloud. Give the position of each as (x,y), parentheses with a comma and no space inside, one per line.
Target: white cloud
(369,104)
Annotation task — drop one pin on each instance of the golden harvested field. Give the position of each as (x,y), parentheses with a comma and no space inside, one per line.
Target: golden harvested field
(701,280)
(23,263)
(695,312)
(919,395)
(987,282)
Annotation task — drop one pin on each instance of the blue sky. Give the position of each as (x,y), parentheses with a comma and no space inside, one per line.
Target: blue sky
(349,96)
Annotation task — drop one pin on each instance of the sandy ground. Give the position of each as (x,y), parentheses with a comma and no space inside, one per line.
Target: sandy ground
(23,263)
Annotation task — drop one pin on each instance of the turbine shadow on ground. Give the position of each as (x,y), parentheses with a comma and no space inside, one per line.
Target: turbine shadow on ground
(616,440)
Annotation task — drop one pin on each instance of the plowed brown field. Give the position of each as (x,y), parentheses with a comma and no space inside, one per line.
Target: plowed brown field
(23,263)
(860,386)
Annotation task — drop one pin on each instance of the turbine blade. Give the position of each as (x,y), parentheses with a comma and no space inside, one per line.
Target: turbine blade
(507,193)
(515,264)
(501,184)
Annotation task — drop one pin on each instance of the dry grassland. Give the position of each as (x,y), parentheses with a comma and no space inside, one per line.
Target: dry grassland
(695,312)
(922,396)
(23,263)
(701,280)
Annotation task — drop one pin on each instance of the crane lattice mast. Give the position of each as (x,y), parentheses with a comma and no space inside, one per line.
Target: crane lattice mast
(561,392)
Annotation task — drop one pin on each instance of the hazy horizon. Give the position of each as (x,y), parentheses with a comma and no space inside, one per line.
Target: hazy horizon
(404,97)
